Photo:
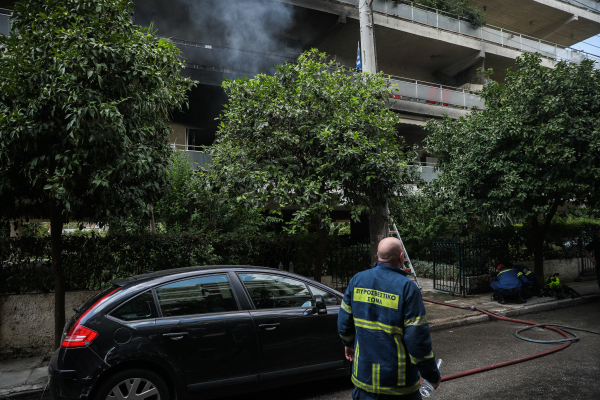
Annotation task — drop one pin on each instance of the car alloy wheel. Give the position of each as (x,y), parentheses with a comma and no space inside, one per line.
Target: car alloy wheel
(134,389)
(133,384)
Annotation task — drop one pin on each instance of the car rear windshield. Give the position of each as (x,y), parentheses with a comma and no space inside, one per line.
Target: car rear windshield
(92,300)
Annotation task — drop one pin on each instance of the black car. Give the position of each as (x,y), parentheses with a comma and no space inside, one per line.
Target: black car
(199,332)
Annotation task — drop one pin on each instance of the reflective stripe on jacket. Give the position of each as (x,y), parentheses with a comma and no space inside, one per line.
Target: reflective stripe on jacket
(383,317)
(529,274)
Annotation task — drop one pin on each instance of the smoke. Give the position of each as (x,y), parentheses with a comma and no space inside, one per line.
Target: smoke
(244,35)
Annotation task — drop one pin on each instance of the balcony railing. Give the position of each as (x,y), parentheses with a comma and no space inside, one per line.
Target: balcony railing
(198,159)
(434,93)
(589,5)
(426,170)
(505,38)
(4,22)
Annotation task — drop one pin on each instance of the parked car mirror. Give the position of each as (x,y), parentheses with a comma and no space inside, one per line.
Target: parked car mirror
(320,304)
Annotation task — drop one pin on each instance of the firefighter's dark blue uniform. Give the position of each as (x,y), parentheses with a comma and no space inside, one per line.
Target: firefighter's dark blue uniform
(509,281)
(529,275)
(383,317)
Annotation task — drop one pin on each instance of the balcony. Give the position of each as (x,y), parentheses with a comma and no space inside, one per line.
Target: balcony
(198,159)
(435,94)
(588,5)
(4,22)
(490,34)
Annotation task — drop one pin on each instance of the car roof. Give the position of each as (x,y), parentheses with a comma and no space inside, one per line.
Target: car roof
(176,271)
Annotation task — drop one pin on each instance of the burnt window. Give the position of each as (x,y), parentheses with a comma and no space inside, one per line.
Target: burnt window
(198,139)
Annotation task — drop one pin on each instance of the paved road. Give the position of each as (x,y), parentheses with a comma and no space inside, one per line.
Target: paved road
(573,373)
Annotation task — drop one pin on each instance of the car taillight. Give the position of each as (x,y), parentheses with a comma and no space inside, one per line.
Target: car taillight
(79,335)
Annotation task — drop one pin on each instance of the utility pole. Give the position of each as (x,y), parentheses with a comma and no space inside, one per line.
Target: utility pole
(367,36)
(378,218)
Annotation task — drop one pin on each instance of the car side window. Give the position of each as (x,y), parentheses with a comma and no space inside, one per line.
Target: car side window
(329,298)
(275,291)
(201,295)
(140,307)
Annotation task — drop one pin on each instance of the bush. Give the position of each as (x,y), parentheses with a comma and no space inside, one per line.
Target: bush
(423,269)
(91,261)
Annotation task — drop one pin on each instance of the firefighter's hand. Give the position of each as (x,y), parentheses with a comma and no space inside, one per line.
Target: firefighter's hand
(349,353)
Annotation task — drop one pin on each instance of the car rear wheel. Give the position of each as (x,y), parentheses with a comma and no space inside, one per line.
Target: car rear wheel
(134,384)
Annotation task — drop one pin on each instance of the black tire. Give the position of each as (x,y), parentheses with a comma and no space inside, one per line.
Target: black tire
(134,384)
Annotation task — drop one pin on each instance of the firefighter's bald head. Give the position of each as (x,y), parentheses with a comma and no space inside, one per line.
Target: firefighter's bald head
(391,252)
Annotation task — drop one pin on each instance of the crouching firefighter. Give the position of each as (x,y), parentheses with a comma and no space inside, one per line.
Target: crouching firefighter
(532,284)
(509,283)
(384,329)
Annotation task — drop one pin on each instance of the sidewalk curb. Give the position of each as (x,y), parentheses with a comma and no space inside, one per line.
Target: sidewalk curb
(553,305)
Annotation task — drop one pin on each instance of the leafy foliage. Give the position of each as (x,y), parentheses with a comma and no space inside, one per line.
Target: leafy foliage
(35,229)
(459,8)
(419,218)
(84,100)
(92,261)
(309,137)
(85,97)
(189,204)
(535,147)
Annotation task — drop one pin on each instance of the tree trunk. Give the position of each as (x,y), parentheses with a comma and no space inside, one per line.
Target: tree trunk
(378,228)
(323,238)
(538,252)
(538,238)
(56,225)
(152,223)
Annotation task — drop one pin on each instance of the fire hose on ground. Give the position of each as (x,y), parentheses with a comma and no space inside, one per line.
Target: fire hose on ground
(561,329)
(566,342)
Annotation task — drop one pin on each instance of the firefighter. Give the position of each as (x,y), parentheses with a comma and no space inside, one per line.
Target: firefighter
(383,326)
(531,280)
(508,283)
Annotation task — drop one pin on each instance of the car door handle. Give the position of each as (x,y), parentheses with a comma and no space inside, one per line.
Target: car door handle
(268,327)
(175,335)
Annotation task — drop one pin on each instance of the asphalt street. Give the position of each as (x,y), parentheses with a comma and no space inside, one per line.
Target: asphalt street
(573,373)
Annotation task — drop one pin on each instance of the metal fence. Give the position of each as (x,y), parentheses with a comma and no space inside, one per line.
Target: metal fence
(435,93)
(459,264)
(342,262)
(587,268)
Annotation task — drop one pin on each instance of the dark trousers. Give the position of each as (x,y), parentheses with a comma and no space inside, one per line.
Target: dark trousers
(504,292)
(359,394)
(598,274)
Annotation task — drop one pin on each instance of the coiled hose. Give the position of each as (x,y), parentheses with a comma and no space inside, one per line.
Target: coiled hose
(564,342)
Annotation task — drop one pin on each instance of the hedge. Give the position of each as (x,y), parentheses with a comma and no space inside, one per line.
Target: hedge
(91,262)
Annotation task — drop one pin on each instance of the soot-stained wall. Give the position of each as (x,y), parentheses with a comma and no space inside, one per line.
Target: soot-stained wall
(229,39)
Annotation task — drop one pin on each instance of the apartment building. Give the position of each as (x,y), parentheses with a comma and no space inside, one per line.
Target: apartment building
(432,56)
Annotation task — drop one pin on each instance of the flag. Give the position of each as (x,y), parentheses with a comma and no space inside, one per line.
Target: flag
(358,63)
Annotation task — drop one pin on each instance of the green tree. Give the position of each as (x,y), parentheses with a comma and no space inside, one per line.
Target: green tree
(420,216)
(189,204)
(85,97)
(312,136)
(535,147)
